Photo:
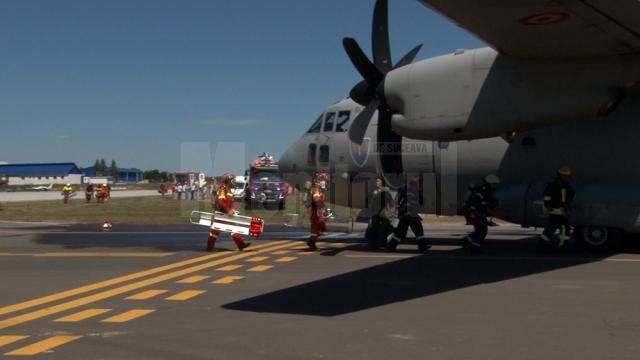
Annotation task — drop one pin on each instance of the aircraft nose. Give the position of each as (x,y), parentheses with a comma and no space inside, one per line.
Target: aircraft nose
(287,161)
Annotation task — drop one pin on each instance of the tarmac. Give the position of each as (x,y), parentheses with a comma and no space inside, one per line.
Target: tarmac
(143,292)
(24,196)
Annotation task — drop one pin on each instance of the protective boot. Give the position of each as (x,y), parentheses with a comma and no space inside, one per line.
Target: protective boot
(422,244)
(211,241)
(311,243)
(239,242)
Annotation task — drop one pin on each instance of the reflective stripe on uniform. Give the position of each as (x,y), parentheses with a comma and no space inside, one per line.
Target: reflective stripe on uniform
(557,211)
(563,195)
(547,198)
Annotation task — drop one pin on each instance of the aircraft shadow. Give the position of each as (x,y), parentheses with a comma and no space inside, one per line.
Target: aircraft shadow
(411,278)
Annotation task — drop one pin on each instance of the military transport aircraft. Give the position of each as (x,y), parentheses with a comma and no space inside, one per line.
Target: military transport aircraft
(557,86)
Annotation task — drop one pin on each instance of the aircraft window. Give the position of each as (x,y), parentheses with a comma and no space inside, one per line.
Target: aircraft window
(311,155)
(343,121)
(317,125)
(329,121)
(324,154)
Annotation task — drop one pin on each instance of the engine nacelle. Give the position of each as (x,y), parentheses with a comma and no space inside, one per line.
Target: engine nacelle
(480,93)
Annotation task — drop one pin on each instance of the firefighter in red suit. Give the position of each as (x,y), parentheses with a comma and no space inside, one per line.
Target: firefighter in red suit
(315,206)
(224,203)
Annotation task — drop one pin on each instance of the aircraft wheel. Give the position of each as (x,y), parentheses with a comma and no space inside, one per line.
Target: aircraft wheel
(597,238)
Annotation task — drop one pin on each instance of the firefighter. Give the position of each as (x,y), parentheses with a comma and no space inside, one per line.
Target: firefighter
(225,204)
(315,207)
(558,196)
(88,192)
(409,201)
(380,206)
(66,192)
(480,201)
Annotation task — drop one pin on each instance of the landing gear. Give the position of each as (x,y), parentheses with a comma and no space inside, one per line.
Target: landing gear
(598,238)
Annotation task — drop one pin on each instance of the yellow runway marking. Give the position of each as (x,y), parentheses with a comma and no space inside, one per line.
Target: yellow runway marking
(193,279)
(82,315)
(146,294)
(286,259)
(118,280)
(44,345)
(185,295)
(260,268)
(128,316)
(10,339)
(229,268)
(281,252)
(90,254)
(258,259)
(37,314)
(227,280)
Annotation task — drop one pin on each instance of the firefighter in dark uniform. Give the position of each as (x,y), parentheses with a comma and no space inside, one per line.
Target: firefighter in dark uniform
(409,202)
(558,196)
(380,206)
(480,201)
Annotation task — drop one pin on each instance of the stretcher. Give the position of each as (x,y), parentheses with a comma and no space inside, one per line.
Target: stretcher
(237,224)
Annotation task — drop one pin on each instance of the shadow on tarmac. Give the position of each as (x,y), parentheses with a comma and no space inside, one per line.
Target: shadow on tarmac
(411,278)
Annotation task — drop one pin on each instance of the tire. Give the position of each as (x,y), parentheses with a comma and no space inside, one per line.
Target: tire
(598,238)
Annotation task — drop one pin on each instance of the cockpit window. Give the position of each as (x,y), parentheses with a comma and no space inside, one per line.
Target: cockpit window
(343,121)
(329,121)
(316,125)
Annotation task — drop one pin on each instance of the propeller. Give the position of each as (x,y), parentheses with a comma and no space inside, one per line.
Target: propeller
(370,92)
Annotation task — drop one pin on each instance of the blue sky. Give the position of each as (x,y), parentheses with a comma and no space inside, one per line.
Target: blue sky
(141,81)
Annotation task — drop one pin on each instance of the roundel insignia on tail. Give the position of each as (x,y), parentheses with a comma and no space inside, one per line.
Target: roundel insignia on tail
(548,18)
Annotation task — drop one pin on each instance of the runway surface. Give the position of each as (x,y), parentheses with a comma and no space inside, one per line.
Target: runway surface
(25,196)
(142,292)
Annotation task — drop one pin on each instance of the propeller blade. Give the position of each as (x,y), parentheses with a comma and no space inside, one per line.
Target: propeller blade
(361,122)
(391,157)
(380,37)
(362,93)
(408,58)
(358,58)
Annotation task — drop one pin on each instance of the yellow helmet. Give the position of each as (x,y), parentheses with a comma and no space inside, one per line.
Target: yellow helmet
(564,170)
(492,179)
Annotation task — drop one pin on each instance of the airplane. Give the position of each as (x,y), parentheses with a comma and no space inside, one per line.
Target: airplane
(557,86)
(42,188)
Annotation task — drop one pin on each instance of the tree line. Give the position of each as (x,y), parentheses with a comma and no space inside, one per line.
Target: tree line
(100,168)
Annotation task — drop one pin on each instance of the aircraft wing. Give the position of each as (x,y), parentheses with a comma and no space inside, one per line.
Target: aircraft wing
(549,29)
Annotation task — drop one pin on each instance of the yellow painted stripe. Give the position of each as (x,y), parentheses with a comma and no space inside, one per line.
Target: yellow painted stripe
(306,252)
(258,259)
(281,252)
(260,268)
(185,295)
(37,314)
(128,316)
(229,268)
(193,279)
(44,345)
(227,280)
(100,285)
(146,294)
(82,315)
(285,259)
(10,339)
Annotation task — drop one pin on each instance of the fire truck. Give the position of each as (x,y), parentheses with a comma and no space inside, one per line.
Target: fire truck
(265,187)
